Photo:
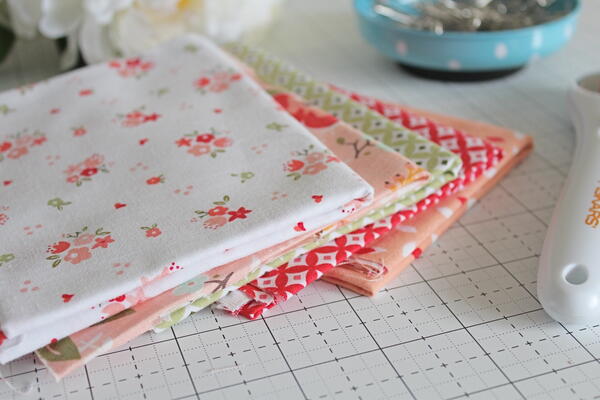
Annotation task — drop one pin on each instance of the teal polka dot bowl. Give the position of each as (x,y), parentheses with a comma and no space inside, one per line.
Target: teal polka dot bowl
(463,53)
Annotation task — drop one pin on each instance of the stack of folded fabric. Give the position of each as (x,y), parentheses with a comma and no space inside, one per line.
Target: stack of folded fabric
(372,266)
(126,179)
(210,181)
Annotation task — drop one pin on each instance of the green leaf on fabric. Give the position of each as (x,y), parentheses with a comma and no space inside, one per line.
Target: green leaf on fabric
(63,350)
(177,315)
(124,313)
(7,39)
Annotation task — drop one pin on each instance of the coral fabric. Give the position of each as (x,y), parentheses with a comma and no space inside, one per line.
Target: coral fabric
(376,265)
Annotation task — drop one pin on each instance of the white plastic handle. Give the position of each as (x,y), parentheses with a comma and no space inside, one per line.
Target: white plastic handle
(569,272)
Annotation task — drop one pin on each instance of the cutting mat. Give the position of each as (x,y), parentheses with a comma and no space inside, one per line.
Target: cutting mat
(462,321)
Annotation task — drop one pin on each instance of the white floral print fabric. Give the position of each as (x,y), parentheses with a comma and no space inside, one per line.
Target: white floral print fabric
(120,175)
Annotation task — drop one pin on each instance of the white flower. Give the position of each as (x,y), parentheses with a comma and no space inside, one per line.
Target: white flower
(25,16)
(150,22)
(104,29)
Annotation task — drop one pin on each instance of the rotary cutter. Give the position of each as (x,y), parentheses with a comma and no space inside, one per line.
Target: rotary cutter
(568,283)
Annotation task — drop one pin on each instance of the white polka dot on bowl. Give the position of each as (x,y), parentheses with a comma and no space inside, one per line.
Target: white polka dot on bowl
(401,47)
(501,51)
(454,65)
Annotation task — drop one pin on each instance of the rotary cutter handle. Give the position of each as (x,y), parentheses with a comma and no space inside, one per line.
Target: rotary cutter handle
(568,282)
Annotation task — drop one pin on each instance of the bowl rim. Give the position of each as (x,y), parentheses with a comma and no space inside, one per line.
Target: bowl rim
(359,6)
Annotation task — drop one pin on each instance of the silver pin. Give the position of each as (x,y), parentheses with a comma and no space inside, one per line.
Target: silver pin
(472,15)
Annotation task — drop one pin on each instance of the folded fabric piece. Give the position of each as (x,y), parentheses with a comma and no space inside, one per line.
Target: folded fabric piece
(391,175)
(376,265)
(129,178)
(478,155)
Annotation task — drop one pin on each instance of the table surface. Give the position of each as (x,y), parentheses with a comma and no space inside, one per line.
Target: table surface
(462,321)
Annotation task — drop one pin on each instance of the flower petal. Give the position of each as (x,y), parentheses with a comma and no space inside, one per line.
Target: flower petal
(60,17)
(103,11)
(94,42)
(25,16)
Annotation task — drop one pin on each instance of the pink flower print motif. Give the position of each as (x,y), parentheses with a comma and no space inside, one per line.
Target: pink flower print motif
(23,140)
(120,266)
(218,210)
(93,161)
(103,242)
(202,82)
(132,67)
(155,180)
(240,213)
(183,142)
(83,239)
(85,170)
(77,255)
(17,152)
(151,117)
(206,143)
(89,172)
(216,81)
(220,214)
(205,138)
(215,222)
(58,247)
(308,162)
(199,150)
(294,165)
(136,118)
(314,157)
(74,248)
(152,231)
(219,86)
(5,146)
(314,169)
(17,145)
(73,169)
(223,142)
(26,287)
(79,131)
(38,141)
(29,230)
